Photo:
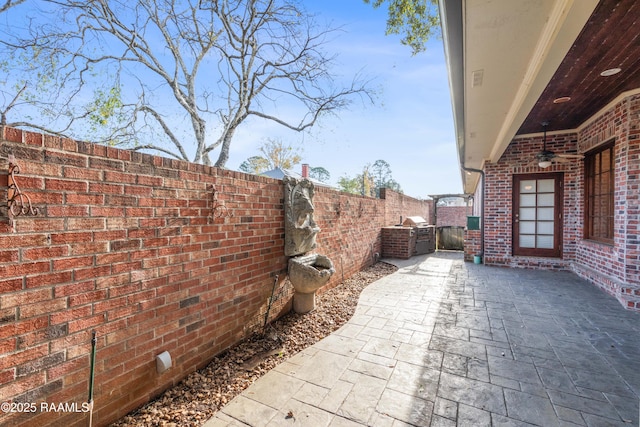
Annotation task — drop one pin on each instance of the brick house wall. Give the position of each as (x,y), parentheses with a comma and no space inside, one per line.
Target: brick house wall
(472,244)
(123,245)
(616,268)
(517,159)
(613,268)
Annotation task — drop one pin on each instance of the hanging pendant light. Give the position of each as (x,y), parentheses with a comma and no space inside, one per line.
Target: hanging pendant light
(545,160)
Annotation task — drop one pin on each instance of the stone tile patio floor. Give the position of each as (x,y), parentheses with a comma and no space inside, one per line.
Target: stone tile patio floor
(447,343)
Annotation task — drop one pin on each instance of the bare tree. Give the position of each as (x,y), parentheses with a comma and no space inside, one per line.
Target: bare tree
(9,4)
(189,73)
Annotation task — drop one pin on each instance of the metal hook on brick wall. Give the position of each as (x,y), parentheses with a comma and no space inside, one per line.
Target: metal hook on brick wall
(218,209)
(338,208)
(19,203)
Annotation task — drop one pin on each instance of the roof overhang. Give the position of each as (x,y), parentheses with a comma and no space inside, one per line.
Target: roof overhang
(501,54)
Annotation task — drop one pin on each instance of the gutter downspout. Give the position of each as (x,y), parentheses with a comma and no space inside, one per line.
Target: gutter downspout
(482,204)
(452,19)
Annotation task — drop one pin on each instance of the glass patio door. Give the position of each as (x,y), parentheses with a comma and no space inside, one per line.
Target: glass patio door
(537,215)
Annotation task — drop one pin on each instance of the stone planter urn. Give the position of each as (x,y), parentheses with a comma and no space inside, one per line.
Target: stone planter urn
(307,274)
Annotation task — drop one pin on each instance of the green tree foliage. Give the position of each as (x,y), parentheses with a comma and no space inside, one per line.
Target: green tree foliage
(362,183)
(350,185)
(275,154)
(383,177)
(370,181)
(280,155)
(416,20)
(381,172)
(319,173)
(255,165)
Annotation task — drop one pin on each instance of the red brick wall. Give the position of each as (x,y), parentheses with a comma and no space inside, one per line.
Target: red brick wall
(517,159)
(616,268)
(632,227)
(350,230)
(398,205)
(452,216)
(123,246)
(472,244)
(398,242)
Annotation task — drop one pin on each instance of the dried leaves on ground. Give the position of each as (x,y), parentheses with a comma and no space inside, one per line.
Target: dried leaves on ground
(199,396)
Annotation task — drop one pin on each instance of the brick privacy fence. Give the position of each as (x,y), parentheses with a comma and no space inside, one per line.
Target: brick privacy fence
(453,216)
(123,246)
(399,205)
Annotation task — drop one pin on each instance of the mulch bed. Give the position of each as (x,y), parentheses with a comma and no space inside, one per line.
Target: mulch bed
(199,396)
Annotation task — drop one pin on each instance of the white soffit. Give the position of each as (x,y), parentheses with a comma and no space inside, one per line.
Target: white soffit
(512,48)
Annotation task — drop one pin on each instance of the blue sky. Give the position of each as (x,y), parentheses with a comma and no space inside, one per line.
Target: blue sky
(410,127)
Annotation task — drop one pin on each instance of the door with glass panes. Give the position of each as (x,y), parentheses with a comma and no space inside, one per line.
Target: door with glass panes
(537,214)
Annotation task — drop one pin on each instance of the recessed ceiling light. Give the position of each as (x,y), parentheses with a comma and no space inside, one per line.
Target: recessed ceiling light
(562,99)
(610,72)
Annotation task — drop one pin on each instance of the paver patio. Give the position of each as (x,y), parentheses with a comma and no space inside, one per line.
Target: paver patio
(447,343)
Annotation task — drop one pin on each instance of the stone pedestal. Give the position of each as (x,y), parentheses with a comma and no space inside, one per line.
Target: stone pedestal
(307,274)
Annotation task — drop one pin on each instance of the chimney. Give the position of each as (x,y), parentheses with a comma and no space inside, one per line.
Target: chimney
(305,170)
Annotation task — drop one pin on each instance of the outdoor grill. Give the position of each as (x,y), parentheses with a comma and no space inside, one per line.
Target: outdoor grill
(414,236)
(424,234)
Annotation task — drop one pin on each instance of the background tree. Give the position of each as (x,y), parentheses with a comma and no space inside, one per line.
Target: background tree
(275,154)
(280,155)
(369,182)
(319,173)
(362,183)
(350,185)
(255,165)
(452,201)
(416,20)
(9,4)
(383,177)
(184,74)
(37,90)
(381,172)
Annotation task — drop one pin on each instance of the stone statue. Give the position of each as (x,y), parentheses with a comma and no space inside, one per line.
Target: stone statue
(300,228)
